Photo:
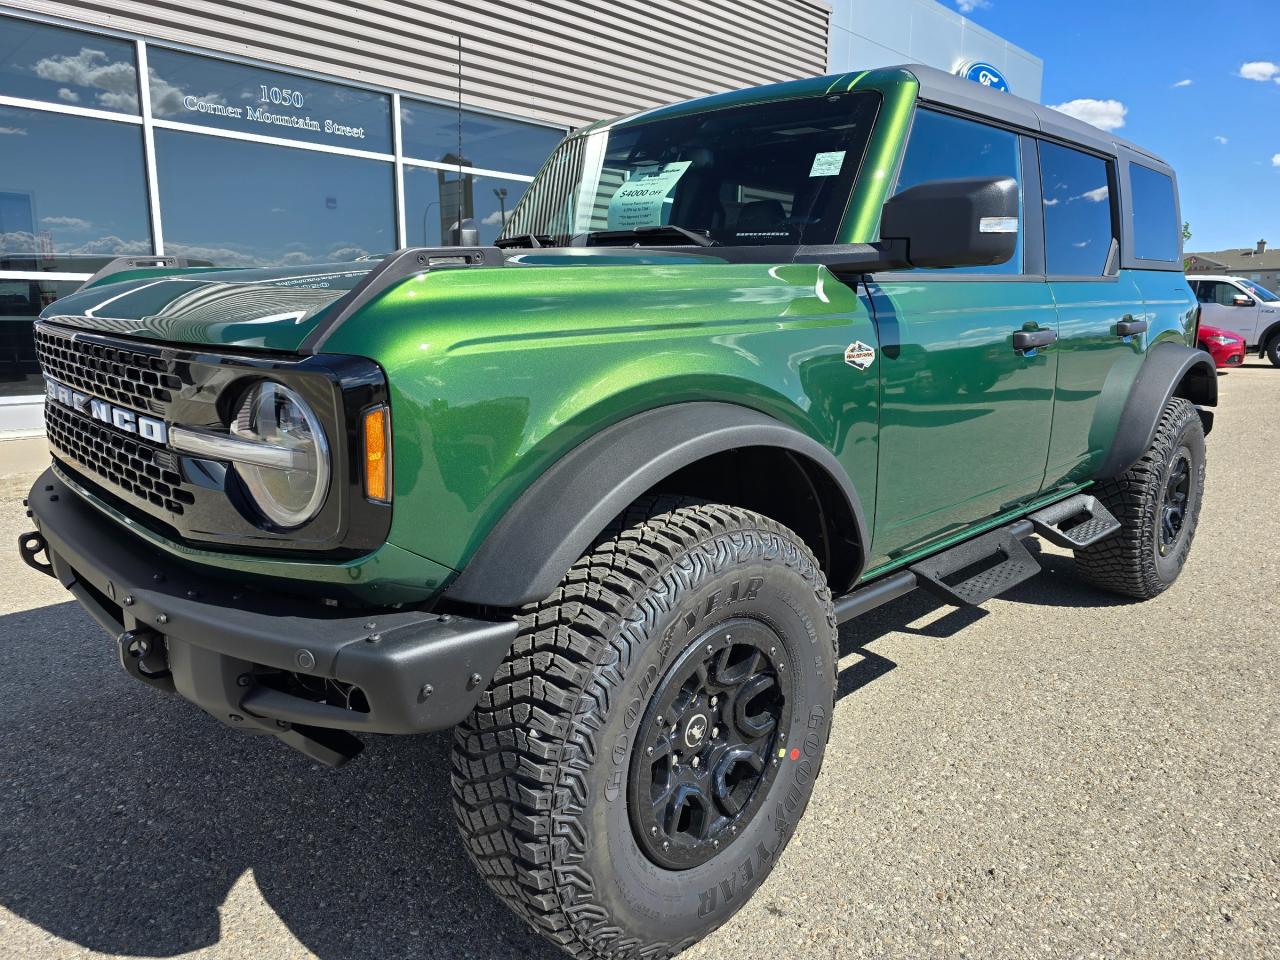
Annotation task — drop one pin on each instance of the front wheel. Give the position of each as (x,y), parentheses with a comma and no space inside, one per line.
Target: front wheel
(1157,502)
(1272,349)
(647,747)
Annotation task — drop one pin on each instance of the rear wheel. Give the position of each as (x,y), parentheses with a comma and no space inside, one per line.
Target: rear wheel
(1157,502)
(646,749)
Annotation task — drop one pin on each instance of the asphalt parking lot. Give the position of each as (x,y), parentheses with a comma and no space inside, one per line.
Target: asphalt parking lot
(1059,774)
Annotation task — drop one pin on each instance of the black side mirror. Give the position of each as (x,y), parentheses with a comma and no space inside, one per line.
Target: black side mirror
(942,223)
(955,223)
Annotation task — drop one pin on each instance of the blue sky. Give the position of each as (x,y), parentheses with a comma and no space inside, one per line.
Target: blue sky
(1172,70)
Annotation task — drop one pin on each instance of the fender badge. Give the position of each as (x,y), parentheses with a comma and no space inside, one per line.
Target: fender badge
(859,355)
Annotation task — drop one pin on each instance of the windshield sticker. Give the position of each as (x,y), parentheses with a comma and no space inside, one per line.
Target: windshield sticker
(827,164)
(859,355)
(638,202)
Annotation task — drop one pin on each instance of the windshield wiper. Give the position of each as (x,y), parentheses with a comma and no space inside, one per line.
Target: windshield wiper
(656,231)
(533,240)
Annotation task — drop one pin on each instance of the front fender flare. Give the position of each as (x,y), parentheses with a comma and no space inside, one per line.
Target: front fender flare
(557,518)
(1170,369)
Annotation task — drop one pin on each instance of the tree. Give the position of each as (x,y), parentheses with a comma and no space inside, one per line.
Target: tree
(1186,230)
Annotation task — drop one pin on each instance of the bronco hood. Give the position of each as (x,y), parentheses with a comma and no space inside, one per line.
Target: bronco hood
(293,309)
(270,308)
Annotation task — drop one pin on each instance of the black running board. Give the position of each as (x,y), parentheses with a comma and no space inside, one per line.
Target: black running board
(979,569)
(986,566)
(1001,560)
(1075,523)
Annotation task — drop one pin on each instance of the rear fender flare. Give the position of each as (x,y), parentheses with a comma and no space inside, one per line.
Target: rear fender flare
(1169,370)
(557,518)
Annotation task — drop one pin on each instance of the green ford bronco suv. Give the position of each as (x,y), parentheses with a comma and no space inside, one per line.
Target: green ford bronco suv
(598,496)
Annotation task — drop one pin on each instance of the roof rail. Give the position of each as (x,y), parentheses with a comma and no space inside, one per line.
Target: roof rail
(389,271)
(121,264)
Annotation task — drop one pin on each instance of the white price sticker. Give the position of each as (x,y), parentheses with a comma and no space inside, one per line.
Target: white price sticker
(827,164)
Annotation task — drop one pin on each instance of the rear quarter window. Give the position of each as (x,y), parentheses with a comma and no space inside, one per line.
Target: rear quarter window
(1156,232)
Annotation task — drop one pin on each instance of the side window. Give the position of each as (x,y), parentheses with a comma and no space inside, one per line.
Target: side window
(943,147)
(1215,291)
(1078,222)
(1157,234)
(1227,293)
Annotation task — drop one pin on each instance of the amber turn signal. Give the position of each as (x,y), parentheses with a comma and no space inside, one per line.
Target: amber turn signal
(377,454)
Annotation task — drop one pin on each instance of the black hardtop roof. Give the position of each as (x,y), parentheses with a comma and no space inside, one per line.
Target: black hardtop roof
(945,89)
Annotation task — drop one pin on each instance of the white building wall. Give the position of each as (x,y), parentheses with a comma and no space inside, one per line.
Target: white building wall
(881,33)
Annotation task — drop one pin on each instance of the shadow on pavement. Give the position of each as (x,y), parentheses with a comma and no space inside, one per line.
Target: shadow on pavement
(1057,585)
(128,815)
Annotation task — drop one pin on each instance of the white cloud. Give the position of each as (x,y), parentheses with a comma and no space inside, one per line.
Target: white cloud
(1184,83)
(71,223)
(1275,161)
(348,252)
(1052,203)
(20,241)
(1082,244)
(90,68)
(1260,70)
(70,96)
(968,6)
(495,218)
(1104,114)
(166,98)
(13,131)
(1220,139)
(1097,196)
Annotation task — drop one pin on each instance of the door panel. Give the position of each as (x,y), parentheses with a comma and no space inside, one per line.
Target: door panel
(964,419)
(1092,359)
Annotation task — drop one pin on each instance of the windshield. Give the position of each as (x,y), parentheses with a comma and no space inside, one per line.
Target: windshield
(1262,293)
(765,173)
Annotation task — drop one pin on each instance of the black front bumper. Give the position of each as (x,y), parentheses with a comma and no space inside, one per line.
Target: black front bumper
(243,655)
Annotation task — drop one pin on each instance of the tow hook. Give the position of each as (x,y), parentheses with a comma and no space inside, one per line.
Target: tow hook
(30,546)
(143,656)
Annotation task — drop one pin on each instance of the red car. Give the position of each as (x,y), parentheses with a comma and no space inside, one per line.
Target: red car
(1227,348)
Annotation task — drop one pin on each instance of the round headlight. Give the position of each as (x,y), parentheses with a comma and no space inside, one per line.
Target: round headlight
(291,493)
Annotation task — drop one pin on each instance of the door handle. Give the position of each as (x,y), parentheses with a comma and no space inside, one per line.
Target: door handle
(1129,326)
(1032,339)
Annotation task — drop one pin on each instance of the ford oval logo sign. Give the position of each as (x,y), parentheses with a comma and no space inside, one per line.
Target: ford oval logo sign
(985,74)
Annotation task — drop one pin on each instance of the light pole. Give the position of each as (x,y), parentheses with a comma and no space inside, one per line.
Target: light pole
(501,194)
(425,211)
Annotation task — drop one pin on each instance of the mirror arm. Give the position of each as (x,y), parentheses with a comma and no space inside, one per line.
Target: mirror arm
(848,261)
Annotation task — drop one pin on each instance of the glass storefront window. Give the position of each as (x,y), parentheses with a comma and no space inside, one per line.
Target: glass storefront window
(430,132)
(244,204)
(73,186)
(236,96)
(20,303)
(43,62)
(487,201)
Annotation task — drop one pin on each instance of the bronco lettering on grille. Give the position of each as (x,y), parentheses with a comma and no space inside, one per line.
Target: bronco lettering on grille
(119,417)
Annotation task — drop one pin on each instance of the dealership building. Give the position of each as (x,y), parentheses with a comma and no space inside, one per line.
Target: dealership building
(297,132)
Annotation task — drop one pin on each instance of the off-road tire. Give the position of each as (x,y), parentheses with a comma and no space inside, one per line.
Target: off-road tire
(1131,562)
(1272,349)
(540,768)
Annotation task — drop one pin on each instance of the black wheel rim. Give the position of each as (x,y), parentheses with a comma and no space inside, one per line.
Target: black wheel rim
(709,744)
(1175,501)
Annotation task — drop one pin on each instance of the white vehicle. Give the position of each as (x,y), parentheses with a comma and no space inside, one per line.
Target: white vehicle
(1243,307)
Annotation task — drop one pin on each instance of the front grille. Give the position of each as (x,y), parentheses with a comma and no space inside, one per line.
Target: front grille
(125,462)
(191,499)
(122,376)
